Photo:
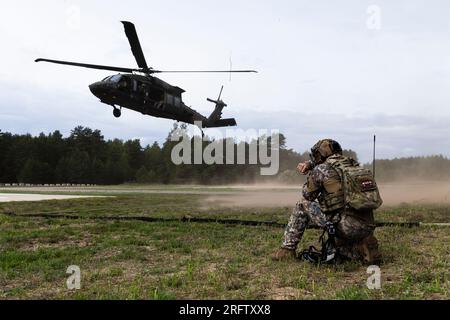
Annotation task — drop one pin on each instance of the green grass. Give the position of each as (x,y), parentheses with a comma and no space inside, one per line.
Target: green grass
(174,260)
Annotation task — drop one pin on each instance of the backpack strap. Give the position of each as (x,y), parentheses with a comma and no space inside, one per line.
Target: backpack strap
(328,253)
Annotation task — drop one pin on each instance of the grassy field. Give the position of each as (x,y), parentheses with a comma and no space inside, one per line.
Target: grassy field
(176,260)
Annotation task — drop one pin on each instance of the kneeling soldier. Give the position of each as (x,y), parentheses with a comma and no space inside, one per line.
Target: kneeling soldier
(339,191)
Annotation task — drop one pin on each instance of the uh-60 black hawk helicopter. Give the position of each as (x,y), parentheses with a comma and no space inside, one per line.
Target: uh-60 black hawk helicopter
(138,90)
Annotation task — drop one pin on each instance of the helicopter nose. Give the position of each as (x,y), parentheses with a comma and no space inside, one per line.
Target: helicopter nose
(97,89)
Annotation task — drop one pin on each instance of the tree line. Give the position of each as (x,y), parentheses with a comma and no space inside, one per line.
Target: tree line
(431,168)
(86,157)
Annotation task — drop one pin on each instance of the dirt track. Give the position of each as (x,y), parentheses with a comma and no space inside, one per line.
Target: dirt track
(242,195)
(8,197)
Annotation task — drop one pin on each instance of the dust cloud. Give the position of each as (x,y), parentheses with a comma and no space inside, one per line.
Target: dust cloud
(411,192)
(415,192)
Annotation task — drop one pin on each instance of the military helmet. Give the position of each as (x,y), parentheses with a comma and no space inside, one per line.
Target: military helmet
(323,149)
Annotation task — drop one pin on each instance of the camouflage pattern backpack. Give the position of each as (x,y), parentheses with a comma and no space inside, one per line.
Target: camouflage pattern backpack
(359,187)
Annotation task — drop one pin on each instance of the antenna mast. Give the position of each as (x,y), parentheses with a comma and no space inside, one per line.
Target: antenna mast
(374,152)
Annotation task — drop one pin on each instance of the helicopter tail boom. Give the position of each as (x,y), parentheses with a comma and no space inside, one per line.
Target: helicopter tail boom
(229,122)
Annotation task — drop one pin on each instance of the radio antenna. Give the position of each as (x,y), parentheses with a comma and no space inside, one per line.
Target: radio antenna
(374,153)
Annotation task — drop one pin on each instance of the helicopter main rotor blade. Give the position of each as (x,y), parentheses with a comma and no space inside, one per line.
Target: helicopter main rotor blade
(135,45)
(201,71)
(91,66)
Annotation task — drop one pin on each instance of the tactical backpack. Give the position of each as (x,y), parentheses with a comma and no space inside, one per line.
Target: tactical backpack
(358,184)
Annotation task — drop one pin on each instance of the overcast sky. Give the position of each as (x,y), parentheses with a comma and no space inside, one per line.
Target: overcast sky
(339,69)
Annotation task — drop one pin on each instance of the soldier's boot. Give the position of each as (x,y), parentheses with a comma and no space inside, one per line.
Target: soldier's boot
(283,254)
(368,248)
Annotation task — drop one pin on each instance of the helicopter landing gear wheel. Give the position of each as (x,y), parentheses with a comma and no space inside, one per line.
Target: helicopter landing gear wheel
(117,112)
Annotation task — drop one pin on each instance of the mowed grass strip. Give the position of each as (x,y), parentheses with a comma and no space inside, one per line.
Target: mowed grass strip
(175,260)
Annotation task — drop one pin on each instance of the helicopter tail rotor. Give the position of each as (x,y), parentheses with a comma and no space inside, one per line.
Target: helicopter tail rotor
(215,119)
(217,113)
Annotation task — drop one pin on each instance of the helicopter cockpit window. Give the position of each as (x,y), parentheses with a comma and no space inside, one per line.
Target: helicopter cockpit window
(115,78)
(107,78)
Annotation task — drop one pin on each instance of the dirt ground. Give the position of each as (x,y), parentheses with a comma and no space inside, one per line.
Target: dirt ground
(392,194)
(260,195)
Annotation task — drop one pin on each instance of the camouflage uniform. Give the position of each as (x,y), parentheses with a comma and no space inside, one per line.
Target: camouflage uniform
(351,227)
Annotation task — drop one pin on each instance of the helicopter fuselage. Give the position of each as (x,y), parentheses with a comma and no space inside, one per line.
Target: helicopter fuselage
(145,94)
(138,90)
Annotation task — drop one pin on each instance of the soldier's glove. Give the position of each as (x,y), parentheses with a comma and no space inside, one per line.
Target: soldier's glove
(304,167)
